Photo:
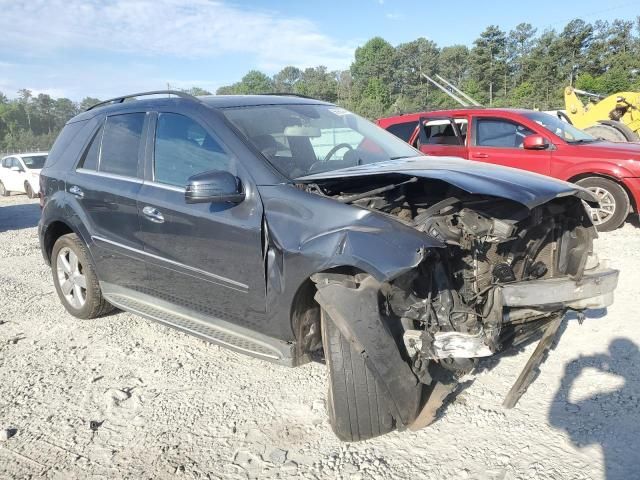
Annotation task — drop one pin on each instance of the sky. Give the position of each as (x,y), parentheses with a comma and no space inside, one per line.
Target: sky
(105,48)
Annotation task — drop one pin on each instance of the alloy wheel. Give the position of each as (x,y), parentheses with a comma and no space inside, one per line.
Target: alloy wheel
(71,278)
(606,208)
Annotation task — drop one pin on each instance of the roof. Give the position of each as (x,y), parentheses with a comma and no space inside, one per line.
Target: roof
(212,101)
(452,111)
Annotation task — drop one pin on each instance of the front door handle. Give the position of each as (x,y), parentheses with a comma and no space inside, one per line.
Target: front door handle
(480,155)
(76,191)
(153,214)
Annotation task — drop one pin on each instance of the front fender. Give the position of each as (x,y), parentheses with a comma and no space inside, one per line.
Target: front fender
(616,171)
(307,234)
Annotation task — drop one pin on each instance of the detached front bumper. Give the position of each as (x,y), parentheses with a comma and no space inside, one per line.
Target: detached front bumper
(593,290)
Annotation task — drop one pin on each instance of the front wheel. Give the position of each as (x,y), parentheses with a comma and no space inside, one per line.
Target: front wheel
(613,201)
(3,191)
(357,406)
(75,279)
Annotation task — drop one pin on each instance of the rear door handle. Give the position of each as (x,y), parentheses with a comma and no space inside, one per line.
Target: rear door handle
(153,214)
(480,155)
(76,191)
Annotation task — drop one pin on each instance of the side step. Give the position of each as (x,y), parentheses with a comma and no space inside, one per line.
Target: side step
(214,330)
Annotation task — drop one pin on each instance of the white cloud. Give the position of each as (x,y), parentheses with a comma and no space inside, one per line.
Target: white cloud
(96,80)
(194,29)
(394,16)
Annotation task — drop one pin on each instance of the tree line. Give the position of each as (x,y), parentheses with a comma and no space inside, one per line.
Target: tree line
(519,68)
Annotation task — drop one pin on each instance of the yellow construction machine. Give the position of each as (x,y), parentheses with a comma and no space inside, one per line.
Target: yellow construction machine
(615,118)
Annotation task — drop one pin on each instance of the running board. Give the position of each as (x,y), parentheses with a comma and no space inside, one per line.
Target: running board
(208,328)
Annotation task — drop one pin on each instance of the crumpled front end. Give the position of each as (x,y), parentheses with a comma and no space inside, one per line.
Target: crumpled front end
(507,274)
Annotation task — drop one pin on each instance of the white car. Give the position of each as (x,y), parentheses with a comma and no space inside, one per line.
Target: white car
(21,173)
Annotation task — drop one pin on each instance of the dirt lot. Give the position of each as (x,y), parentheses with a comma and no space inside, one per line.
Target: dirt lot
(171,406)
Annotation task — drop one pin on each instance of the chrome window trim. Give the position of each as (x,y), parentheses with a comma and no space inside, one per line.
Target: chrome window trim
(231,283)
(165,186)
(113,176)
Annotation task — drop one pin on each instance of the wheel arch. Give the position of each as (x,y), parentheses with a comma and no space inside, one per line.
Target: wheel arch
(633,202)
(304,315)
(51,234)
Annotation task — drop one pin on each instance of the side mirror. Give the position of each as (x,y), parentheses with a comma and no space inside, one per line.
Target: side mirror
(214,186)
(16,169)
(535,142)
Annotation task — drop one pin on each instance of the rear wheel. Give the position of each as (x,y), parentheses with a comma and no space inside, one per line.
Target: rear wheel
(357,406)
(75,279)
(29,190)
(614,202)
(3,191)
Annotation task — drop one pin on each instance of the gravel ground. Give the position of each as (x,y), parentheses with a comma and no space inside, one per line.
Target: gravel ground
(166,405)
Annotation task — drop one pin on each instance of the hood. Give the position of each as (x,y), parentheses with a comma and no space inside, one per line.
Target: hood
(618,150)
(529,189)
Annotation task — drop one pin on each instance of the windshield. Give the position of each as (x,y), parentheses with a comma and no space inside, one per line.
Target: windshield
(303,139)
(564,130)
(34,162)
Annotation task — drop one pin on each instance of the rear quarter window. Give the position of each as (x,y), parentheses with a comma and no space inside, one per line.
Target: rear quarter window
(67,137)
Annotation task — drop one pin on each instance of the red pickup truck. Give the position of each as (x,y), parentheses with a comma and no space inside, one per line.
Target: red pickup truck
(533,141)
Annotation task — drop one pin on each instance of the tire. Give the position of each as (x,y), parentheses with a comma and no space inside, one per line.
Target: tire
(357,407)
(29,191)
(606,132)
(3,191)
(81,302)
(609,217)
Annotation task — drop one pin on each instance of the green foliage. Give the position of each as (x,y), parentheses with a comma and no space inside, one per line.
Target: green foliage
(254,82)
(317,83)
(196,91)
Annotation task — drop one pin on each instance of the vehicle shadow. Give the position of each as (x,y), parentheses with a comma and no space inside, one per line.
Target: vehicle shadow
(611,418)
(634,220)
(17,217)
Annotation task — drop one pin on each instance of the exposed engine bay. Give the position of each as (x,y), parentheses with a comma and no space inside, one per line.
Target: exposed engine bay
(506,272)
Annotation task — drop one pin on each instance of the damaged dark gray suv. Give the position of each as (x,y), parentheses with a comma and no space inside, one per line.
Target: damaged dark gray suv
(293,230)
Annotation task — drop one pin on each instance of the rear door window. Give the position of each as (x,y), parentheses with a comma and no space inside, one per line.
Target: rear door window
(492,132)
(122,144)
(184,148)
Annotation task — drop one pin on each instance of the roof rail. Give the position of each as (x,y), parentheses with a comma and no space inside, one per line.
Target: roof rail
(285,94)
(121,99)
